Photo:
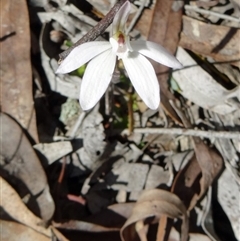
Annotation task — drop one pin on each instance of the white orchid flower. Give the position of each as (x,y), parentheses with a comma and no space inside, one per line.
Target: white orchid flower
(103,55)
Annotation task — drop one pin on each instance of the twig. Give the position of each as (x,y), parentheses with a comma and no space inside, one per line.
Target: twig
(61,175)
(96,30)
(130,111)
(188,132)
(204,11)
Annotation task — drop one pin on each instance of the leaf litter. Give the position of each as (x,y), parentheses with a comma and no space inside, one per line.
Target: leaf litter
(73,175)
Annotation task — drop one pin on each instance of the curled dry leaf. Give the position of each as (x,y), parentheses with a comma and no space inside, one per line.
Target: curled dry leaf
(16,75)
(18,232)
(16,209)
(154,204)
(21,167)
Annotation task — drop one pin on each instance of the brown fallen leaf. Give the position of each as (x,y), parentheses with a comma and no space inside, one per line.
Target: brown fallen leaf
(187,181)
(206,161)
(216,41)
(16,74)
(211,164)
(165,30)
(21,167)
(17,232)
(153,205)
(16,209)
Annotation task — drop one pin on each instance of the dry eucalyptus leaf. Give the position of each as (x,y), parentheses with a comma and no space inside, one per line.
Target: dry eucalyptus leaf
(59,235)
(198,237)
(169,19)
(76,12)
(16,74)
(157,176)
(228,193)
(84,226)
(201,170)
(18,232)
(174,236)
(60,17)
(205,216)
(216,41)
(199,87)
(210,162)
(21,167)
(185,182)
(54,151)
(65,85)
(155,203)
(128,176)
(39,3)
(94,136)
(16,209)
(142,230)
(102,5)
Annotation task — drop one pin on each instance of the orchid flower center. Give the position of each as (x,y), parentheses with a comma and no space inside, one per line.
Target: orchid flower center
(120,44)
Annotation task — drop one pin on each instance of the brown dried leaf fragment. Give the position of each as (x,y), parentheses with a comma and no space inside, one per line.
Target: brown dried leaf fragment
(18,232)
(153,205)
(16,73)
(165,30)
(206,162)
(15,208)
(21,167)
(219,42)
(210,162)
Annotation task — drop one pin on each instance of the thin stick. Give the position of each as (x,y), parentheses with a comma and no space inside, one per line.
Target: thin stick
(188,132)
(96,30)
(204,11)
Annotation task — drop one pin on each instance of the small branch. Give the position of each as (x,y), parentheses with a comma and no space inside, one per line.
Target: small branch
(204,11)
(96,30)
(188,132)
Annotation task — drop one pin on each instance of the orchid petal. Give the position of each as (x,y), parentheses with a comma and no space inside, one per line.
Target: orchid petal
(120,18)
(81,55)
(96,79)
(156,52)
(143,78)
